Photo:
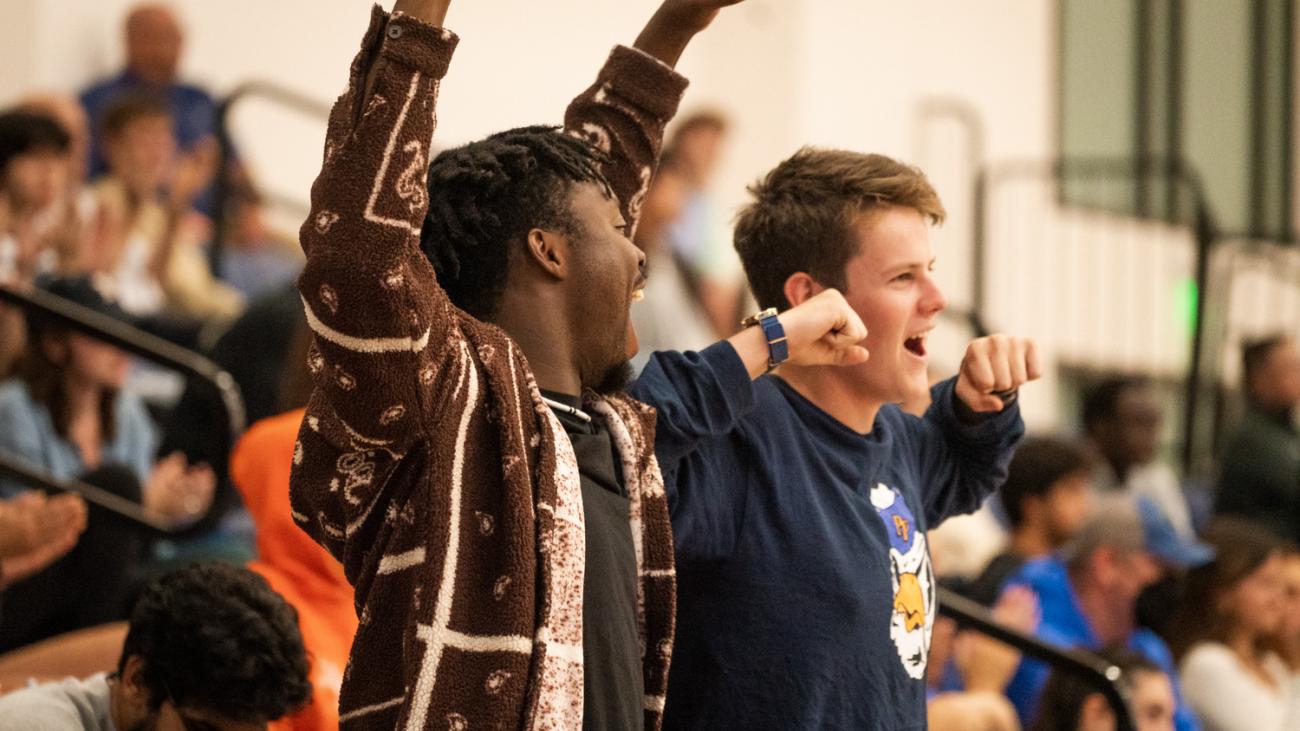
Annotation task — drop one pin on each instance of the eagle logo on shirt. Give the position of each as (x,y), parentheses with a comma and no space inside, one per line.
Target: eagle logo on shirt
(911,578)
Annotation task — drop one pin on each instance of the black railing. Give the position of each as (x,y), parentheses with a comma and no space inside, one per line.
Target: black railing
(1104,677)
(210,380)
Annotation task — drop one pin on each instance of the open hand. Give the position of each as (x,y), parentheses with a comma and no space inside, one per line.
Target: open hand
(35,531)
(997,364)
(178,492)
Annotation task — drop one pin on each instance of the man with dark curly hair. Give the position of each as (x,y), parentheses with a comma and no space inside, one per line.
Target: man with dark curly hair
(208,647)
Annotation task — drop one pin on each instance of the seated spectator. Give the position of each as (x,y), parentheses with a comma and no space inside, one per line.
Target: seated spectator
(1288,639)
(968,671)
(208,647)
(1122,418)
(697,236)
(670,317)
(1260,480)
(67,415)
(1071,704)
(1047,498)
(1230,616)
(305,574)
(1088,595)
(153,40)
(35,531)
(33,165)
(154,249)
(256,259)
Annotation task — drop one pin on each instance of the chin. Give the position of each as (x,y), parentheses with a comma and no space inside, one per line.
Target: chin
(614,379)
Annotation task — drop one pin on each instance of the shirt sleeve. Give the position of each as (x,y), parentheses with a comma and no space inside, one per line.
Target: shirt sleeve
(383,358)
(624,114)
(960,464)
(39,709)
(20,439)
(698,396)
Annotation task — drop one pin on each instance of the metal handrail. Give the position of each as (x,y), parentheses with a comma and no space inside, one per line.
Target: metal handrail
(15,469)
(196,368)
(1106,678)
(281,95)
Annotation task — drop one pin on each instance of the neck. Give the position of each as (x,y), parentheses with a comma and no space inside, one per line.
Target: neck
(1121,469)
(1243,644)
(832,392)
(1028,542)
(83,398)
(117,705)
(1112,620)
(539,329)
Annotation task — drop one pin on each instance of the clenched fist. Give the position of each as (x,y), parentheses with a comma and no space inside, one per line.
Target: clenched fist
(993,368)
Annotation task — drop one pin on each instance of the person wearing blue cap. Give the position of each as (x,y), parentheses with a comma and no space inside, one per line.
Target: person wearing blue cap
(1088,593)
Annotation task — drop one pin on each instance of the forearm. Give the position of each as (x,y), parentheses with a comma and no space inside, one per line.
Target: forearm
(666,36)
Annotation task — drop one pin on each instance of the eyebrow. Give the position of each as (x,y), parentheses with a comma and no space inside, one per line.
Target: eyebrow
(900,268)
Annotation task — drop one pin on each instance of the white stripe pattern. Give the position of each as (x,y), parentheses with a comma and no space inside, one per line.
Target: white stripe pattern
(435,636)
(370,214)
(363,345)
(402,561)
(367,710)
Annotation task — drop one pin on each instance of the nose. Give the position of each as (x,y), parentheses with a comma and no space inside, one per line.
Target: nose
(932,299)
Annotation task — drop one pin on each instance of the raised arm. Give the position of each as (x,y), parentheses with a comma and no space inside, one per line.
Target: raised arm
(635,95)
(379,317)
(382,326)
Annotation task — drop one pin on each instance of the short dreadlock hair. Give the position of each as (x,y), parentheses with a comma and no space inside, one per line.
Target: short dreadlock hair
(486,196)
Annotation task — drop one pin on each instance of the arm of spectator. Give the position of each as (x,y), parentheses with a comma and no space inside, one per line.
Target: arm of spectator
(382,324)
(986,664)
(971,711)
(968,435)
(384,356)
(189,176)
(36,531)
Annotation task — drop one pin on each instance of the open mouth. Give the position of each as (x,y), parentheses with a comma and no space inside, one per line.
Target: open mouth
(638,290)
(916,344)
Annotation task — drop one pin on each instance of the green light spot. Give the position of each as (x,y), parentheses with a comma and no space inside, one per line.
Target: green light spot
(1185,298)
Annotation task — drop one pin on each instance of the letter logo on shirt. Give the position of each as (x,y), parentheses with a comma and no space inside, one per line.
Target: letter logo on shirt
(912,581)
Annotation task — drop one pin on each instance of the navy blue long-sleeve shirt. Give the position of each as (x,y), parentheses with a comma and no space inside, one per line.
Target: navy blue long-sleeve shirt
(805,593)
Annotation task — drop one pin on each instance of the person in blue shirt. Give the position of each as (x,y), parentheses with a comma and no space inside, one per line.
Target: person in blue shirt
(154,40)
(1088,594)
(800,500)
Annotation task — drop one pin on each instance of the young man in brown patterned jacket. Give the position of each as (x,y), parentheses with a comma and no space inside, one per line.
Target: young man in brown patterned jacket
(494,500)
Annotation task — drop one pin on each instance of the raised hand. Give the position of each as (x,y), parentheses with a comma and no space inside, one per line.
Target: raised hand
(674,24)
(993,365)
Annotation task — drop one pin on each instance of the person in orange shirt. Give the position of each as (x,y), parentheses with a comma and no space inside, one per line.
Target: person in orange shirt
(305,574)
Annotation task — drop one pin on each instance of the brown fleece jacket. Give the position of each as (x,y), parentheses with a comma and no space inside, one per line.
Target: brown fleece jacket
(427,462)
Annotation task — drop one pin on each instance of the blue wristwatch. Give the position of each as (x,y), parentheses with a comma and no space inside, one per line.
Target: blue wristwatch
(778,350)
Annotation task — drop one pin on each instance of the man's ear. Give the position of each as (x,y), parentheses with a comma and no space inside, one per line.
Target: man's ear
(133,682)
(800,287)
(549,251)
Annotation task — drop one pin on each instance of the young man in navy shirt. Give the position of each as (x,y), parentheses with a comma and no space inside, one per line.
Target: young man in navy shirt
(800,499)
